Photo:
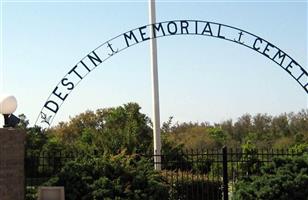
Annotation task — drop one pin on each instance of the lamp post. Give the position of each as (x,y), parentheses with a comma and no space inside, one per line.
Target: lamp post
(12,152)
(8,105)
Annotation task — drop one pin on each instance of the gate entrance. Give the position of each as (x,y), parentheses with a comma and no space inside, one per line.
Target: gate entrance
(162,29)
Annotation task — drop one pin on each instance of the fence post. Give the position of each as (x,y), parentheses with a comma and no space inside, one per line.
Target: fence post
(225,173)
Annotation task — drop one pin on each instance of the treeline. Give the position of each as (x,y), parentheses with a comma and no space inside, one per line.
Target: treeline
(125,128)
(261,131)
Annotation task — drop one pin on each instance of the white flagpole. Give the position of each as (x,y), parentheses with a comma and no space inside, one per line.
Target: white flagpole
(156,114)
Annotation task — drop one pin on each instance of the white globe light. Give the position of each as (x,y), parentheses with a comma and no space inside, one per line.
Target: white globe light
(8,104)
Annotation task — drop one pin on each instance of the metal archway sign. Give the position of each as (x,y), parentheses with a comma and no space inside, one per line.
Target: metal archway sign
(168,28)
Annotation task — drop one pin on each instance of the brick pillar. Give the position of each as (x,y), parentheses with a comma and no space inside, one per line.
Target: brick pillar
(12,152)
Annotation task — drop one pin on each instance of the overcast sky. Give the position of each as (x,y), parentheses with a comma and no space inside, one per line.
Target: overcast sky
(200,78)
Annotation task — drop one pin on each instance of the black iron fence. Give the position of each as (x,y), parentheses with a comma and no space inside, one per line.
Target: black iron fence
(211,174)
(193,175)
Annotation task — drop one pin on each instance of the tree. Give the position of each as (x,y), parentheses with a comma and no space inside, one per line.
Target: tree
(108,130)
(261,125)
(242,127)
(24,122)
(218,135)
(280,126)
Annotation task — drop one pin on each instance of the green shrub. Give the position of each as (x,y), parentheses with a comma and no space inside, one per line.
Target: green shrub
(285,178)
(110,177)
(187,185)
(31,193)
(299,148)
(250,163)
(203,165)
